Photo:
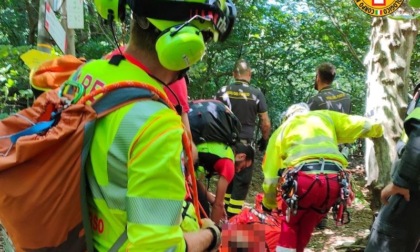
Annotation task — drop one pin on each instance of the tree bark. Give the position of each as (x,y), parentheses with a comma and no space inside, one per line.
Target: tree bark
(388,67)
(31,7)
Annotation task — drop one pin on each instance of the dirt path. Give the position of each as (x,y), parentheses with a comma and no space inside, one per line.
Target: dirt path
(340,238)
(332,238)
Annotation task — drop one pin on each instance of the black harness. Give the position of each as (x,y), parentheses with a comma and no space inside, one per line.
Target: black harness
(289,186)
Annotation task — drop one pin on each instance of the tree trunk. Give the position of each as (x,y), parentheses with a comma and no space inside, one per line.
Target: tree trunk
(388,67)
(31,7)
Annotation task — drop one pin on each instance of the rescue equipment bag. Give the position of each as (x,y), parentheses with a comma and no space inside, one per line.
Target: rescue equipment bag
(213,121)
(52,73)
(43,150)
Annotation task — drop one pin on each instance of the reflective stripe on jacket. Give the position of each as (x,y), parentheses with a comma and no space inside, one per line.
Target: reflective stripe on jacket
(135,171)
(331,99)
(311,136)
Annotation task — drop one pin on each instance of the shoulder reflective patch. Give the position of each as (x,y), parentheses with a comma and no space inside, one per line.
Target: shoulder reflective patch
(144,211)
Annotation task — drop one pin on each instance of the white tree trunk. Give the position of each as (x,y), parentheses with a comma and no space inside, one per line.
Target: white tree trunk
(388,66)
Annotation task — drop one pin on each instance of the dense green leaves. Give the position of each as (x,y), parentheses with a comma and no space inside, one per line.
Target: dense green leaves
(414,3)
(15,92)
(284,40)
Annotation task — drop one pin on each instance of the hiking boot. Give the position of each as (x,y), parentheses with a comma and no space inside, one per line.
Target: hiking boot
(323,223)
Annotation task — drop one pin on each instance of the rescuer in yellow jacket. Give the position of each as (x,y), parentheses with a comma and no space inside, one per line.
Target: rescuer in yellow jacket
(306,146)
(135,168)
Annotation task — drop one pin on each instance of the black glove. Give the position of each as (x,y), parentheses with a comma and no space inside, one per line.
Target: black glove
(262,144)
(217,240)
(265,209)
(216,232)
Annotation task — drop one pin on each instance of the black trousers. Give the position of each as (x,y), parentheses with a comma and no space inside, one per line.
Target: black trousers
(202,198)
(237,191)
(397,227)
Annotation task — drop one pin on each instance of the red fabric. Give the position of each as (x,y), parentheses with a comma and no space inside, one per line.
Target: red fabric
(179,87)
(297,232)
(115,52)
(225,167)
(262,235)
(129,57)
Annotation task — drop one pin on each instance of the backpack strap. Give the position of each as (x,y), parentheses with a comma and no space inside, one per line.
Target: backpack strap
(117,97)
(35,129)
(119,242)
(124,92)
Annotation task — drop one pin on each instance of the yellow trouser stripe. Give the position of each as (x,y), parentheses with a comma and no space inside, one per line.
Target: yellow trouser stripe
(227,198)
(234,210)
(236,202)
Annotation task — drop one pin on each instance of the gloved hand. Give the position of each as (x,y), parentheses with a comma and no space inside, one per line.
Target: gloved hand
(215,230)
(262,144)
(265,209)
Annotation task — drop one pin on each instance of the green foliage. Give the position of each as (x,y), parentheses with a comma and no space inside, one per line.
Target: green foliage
(284,42)
(94,49)
(13,23)
(414,3)
(15,91)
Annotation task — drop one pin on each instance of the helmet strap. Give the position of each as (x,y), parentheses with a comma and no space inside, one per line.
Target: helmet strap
(164,9)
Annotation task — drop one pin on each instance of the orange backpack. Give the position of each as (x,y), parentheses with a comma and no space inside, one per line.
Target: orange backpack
(42,154)
(52,73)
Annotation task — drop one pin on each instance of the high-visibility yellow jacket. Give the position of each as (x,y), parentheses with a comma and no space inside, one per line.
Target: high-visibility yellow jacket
(211,152)
(311,136)
(136,169)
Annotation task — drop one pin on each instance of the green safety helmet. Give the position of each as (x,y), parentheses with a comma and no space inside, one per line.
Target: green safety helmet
(185,25)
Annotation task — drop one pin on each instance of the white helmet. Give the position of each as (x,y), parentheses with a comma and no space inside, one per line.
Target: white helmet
(296,109)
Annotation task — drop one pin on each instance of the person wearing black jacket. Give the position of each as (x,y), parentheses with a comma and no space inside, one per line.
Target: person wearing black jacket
(328,97)
(397,227)
(246,102)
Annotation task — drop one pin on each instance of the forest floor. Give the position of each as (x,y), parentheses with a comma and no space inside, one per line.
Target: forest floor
(349,237)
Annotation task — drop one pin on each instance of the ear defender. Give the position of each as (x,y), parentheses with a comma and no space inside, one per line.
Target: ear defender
(180,47)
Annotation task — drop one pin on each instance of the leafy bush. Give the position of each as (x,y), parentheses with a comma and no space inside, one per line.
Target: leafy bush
(94,49)
(15,90)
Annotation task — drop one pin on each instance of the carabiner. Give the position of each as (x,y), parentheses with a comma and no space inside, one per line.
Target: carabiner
(65,87)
